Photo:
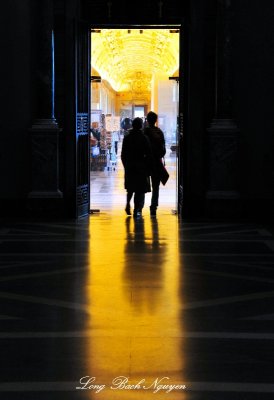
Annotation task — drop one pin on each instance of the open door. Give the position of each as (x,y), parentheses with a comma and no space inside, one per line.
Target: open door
(141,87)
(181,138)
(82,118)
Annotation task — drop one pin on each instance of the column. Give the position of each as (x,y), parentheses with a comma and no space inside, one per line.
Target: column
(222,136)
(44,133)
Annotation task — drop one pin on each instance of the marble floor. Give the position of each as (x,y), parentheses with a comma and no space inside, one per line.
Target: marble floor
(107,308)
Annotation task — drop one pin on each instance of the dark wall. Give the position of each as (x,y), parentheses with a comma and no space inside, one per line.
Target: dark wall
(16,108)
(253,88)
(252,25)
(199,76)
(253,91)
(139,12)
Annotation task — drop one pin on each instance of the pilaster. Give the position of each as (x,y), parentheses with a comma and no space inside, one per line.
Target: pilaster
(222,196)
(44,132)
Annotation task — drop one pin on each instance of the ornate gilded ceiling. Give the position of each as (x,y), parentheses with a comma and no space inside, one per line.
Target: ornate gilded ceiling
(130,59)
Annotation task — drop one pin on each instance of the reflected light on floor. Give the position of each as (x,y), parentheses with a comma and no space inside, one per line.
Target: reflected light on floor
(132,291)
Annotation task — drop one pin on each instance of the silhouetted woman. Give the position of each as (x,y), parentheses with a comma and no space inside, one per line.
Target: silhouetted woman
(136,158)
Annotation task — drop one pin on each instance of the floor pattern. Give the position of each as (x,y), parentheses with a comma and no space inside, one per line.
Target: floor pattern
(109,308)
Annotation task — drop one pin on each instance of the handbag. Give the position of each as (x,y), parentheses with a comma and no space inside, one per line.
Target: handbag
(164,175)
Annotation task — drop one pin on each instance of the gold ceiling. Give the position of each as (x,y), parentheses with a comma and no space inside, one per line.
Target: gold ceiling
(130,59)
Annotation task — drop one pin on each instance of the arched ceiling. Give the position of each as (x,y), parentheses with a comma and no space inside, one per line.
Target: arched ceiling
(130,59)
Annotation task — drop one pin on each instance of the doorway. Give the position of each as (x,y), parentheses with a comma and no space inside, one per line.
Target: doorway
(133,71)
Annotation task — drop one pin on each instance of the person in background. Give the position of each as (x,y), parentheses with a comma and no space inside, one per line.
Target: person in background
(158,146)
(136,157)
(116,139)
(126,125)
(96,134)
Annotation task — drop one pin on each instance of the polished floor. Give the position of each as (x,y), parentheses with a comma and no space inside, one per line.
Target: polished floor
(109,308)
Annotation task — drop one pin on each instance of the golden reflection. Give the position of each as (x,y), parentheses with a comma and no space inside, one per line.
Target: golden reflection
(144,279)
(133,292)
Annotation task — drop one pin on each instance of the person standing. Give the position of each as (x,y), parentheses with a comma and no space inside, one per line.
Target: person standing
(158,146)
(136,157)
(116,139)
(126,125)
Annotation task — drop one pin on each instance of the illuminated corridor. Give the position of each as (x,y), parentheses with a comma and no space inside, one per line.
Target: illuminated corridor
(108,195)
